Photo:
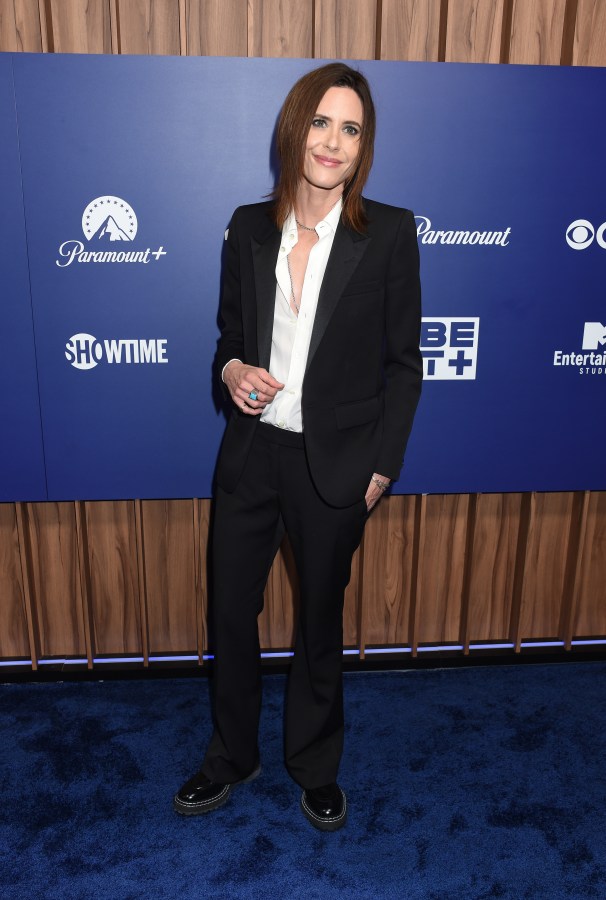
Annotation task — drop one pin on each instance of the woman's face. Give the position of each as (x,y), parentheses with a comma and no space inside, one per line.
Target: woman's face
(333,142)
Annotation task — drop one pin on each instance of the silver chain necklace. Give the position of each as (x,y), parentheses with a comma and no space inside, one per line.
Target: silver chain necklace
(304,227)
(292,292)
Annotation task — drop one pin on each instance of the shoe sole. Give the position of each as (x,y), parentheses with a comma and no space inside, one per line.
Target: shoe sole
(206,806)
(324,824)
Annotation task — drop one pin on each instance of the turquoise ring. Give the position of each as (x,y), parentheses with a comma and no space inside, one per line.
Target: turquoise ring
(253,395)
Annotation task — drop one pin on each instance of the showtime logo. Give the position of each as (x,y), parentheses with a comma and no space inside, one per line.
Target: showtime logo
(107,221)
(83,351)
(580,234)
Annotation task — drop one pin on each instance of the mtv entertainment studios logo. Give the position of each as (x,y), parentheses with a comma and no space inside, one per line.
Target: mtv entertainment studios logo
(592,361)
(84,351)
(581,234)
(107,222)
(449,347)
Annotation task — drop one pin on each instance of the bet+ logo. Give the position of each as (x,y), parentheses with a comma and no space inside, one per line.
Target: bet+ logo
(449,347)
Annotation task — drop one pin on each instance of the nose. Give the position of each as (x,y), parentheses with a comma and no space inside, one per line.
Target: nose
(331,138)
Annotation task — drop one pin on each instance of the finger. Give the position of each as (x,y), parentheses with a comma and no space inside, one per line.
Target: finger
(269,380)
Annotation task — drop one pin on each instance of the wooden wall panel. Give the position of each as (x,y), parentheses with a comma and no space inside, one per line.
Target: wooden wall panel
(280,28)
(410,30)
(590,34)
(388,572)
(169,562)
(492,576)
(473,32)
(345,29)
(537,29)
(55,578)
(217,28)
(79,26)
(20,28)
(590,613)
(545,568)
(149,26)
(442,545)
(114,577)
(13,622)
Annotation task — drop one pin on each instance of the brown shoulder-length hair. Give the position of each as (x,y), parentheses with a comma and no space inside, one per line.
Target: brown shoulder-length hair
(294,123)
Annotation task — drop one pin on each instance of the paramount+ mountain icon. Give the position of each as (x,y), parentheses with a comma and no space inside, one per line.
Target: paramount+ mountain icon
(109,225)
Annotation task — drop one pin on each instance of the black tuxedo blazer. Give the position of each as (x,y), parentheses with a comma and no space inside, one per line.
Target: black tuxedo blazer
(364,370)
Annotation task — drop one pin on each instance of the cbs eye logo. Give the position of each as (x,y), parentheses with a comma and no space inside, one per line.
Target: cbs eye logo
(581,233)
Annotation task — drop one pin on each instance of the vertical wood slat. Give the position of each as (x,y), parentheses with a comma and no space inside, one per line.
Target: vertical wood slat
(85,589)
(474,30)
(149,26)
(51,541)
(80,27)
(494,550)
(537,30)
(545,569)
(17,629)
(574,564)
(590,34)
(141,581)
(590,607)
(388,572)
(345,29)
(113,565)
(166,546)
(441,568)
(418,566)
(280,28)
(410,30)
(217,27)
(20,27)
(201,523)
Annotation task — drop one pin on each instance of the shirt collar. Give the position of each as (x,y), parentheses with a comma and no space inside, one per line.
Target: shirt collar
(328,223)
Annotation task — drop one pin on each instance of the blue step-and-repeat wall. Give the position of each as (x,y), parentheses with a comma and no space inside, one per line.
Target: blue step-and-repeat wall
(118,177)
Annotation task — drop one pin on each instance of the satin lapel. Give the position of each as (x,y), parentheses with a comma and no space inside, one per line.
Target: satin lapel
(347,250)
(265,254)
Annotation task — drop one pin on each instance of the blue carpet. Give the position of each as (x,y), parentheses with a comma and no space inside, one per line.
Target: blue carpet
(463,784)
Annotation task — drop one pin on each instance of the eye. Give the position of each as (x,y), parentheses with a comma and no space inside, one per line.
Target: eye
(352,130)
(318,123)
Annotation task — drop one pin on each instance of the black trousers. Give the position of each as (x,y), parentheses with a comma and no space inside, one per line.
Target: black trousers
(276,492)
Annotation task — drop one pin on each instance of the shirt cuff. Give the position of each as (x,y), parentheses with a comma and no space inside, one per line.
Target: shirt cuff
(226,365)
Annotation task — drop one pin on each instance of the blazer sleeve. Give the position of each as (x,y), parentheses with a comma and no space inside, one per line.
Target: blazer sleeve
(403,365)
(231,341)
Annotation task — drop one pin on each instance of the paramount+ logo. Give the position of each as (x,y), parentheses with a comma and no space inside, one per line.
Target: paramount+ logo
(83,351)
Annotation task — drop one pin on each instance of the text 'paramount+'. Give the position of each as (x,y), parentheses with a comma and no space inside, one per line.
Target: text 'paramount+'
(107,221)
(84,351)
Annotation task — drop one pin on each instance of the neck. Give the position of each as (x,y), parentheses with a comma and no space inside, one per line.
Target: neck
(313,204)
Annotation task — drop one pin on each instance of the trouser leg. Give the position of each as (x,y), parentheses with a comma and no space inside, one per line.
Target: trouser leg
(246,534)
(323,539)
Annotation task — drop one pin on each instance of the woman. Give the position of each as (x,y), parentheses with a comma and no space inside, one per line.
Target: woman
(319,353)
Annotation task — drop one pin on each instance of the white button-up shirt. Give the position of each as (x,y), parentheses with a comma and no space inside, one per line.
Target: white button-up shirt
(291,333)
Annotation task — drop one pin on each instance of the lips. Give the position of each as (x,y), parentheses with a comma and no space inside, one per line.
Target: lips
(327,161)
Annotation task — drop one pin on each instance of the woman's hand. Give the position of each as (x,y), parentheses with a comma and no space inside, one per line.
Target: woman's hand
(376,488)
(242,380)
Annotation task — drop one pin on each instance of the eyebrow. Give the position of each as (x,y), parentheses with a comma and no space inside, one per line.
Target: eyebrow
(329,119)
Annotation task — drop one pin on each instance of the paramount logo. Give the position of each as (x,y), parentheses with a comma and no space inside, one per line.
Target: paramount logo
(106,221)
(428,236)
